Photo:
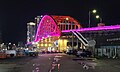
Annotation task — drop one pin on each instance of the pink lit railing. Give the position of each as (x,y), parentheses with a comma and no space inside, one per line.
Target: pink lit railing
(95,28)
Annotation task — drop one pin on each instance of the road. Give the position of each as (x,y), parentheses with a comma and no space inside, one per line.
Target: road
(56,63)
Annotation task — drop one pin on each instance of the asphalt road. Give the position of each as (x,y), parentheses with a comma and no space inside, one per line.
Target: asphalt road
(58,63)
(42,63)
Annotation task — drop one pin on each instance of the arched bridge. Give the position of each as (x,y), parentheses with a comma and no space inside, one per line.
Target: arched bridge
(51,26)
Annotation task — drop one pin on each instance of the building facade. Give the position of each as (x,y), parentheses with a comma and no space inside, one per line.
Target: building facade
(31,29)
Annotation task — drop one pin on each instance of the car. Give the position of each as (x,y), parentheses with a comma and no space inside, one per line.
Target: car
(33,53)
(84,53)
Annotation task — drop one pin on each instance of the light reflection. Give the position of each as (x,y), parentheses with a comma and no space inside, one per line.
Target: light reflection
(55,64)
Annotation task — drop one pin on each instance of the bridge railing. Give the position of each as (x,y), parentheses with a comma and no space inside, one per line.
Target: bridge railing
(80,37)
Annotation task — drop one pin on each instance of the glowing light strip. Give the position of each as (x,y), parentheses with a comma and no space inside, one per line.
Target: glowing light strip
(29,43)
(95,28)
(47,37)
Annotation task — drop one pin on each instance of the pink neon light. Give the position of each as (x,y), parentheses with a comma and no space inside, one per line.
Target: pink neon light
(29,43)
(57,33)
(39,28)
(95,28)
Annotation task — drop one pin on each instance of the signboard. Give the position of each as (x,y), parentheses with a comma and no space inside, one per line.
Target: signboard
(91,43)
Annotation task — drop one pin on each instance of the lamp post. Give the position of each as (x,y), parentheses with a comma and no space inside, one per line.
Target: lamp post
(93,11)
(97,16)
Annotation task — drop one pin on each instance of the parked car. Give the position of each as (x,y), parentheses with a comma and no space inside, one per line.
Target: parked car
(10,53)
(33,53)
(84,53)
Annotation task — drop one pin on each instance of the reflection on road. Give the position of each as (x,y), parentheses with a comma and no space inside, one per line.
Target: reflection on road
(55,66)
(87,62)
(36,68)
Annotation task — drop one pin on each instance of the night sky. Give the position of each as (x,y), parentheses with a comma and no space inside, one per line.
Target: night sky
(14,14)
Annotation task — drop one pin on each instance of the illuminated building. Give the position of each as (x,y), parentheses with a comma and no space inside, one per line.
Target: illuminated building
(31,31)
(66,31)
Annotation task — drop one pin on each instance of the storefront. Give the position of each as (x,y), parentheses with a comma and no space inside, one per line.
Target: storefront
(108,51)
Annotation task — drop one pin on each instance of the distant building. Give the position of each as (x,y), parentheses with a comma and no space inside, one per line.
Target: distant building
(37,19)
(31,28)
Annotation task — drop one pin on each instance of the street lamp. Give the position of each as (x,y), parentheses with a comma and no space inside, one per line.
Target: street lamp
(93,11)
(97,16)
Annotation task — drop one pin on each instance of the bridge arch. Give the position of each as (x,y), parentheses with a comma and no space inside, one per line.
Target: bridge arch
(47,28)
(66,22)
